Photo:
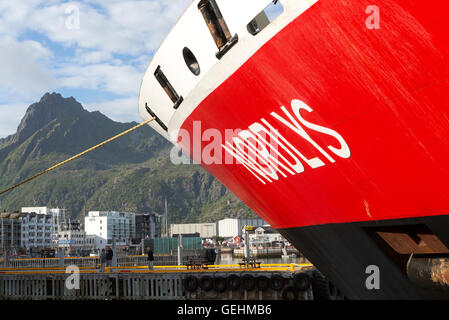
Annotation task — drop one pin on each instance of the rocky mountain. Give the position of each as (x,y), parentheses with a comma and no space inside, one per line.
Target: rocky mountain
(133,173)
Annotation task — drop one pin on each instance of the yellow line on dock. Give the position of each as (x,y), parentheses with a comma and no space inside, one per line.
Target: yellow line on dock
(162,269)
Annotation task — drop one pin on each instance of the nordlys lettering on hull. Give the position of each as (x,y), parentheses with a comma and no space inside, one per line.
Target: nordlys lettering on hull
(268,159)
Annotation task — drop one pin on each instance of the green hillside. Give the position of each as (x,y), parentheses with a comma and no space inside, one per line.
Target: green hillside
(133,173)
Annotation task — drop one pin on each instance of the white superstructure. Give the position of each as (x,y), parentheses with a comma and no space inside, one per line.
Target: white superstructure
(189,78)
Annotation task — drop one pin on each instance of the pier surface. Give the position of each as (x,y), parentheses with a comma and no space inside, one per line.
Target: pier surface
(82,279)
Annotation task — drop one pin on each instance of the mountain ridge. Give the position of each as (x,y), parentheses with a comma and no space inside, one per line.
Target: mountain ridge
(133,173)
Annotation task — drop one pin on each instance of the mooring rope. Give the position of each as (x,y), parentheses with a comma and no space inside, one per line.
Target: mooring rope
(77,156)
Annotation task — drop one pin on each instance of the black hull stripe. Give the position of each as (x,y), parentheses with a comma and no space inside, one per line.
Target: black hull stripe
(343,252)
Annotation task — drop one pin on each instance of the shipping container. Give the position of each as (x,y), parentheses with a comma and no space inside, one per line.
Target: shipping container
(170,245)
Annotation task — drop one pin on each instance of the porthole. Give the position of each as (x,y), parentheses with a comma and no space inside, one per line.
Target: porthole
(191,61)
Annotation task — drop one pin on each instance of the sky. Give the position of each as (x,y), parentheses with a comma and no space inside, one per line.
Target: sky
(94,50)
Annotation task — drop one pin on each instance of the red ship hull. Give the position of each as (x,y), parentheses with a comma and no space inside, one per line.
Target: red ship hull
(364,114)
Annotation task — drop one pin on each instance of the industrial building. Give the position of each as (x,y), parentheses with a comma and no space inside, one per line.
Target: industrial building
(226,228)
(203,230)
(230,228)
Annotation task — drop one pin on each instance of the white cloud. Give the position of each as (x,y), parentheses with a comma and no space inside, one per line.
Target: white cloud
(14,15)
(122,110)
(87,57)
(10,116)
(21,67)
(124,27)
(116,79)
(108,53)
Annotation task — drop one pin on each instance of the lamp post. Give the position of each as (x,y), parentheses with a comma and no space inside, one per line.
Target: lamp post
(246,230)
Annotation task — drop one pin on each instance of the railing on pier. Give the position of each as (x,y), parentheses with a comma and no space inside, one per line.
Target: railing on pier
(265,252)
(131,260)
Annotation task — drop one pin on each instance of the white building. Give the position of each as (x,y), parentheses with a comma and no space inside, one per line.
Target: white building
(71,236)
(230,228)
(109,226)
(38,230)
(264,236)
(40,226)
(204,230)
